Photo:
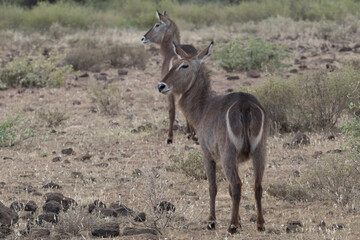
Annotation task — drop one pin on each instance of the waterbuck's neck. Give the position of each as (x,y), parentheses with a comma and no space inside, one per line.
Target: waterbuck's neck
(172,35)
(194,102)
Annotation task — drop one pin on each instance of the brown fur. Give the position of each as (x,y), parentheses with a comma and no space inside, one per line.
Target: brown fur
(164,33)
(212,116)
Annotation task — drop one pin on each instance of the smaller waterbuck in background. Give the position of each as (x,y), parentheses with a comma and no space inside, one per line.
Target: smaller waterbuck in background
(231,128)
(164,33)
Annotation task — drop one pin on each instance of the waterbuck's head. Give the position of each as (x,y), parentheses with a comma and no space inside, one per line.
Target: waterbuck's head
(157,32)
(182,75)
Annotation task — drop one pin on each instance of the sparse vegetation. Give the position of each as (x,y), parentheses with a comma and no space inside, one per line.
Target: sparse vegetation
(53,118)
(352,128)
(35,71)
(106,99)
(13,130)
(242,55)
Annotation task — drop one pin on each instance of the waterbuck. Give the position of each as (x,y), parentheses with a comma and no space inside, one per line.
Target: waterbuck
(231,128)
(164,33)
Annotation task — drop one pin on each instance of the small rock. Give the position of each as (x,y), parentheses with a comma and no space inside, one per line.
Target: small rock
(77,175)
(67,151)
(52,206)
(30,206)
(338,226)
(129,231)
(141,217)
(300,139)
(52,185)
(345,49)
(294,223)
(293,226)
(7,215)
(231,78)
(334,151)
(322,225)
(303,57)
(85,157)
(39,233)
(104,164)
(296,173)
(137,173)
(303,66)
(253,74)
(110,229)
(164,206)
(49,217)
(229,90)
(84,75)
(294,70)
(331,137)
(122,72)
(56,159)
(76,102)
(60,198)
(253,218)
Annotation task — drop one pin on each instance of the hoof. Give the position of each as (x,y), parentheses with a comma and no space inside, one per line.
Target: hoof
(169,141)
(232,229)
(194,138)
(188,135)
(261,228)
(211,225)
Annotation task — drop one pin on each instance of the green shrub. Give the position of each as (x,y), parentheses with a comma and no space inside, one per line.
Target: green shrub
(352,127)
(13,130)
(314,101)
(35,71)
(242,55)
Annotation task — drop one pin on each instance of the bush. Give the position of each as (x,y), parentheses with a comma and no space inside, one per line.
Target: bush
(35,71)
(13,130)
(315,101)
(242,55)
(53,118)
(289,191)
(352,128)
(107,99)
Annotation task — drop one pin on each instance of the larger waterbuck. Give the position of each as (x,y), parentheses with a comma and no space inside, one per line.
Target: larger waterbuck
(164,33)
(231,128)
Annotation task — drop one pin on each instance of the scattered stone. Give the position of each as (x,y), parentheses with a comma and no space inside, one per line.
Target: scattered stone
(331,137)
(4,232)
(229,90)
(7,215)
(85,157)
(84,75)
(338,226)
(345,49)
(49,217)
(129,231)
(253,218)
(39,233)
(121,209)
(303,66)
(24,205)
(141,217)
(60,198)
(137,173)
(303,57)
(300,139)
(293,226)
(296,173)
(334,151)
(122,72)
(317,154)
(56,159)
(77,175)
(294,70)
(76,102)
(330,67)
(110,229)
(231,78)
(52,206)
(104,164)
(253,74)
(67,151)
(52,185)
(164,206)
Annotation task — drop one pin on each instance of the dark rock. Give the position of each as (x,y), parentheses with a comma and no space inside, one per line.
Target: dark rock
(52,206)
(330,67)
(52,185)
(77,175)
(39,233)
(300,139)
(24,205)
(164,206)
(334,151)
(303,57)
(345,49)
(322,225)
(121,209)
(129,231)
(141,217)
(331,137)
(49,217)
(122,72)
(253,218)
(7,215)
(338,226)
(67,151)
(297,61)
(303,66)
(294,70)
(85,157)
(110,229)
(104,164)
(229,90)
(137,173)
(60,198)
(296,173)
(294,223)
(253,74)
(56,159)
(231,78)
(84,75)
(293,226)
(4,232)
(76,102)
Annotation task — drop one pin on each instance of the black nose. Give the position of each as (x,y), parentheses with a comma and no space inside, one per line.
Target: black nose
(143,39)
(161,86)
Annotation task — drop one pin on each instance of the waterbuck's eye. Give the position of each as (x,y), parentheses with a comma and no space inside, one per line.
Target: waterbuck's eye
(184,65)
(157,25)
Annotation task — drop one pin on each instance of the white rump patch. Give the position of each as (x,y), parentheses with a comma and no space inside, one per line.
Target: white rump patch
(237,141)
(255,141)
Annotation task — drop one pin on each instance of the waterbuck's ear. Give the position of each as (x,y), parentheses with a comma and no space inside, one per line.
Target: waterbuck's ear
(205,54)
(179,52)
(164,13)
(158,15)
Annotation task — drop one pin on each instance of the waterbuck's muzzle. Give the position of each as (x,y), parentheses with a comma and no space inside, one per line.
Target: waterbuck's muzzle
(144,40)
(163,87)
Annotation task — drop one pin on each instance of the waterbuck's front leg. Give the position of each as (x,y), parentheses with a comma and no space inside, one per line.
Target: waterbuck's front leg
(190,132)
(231,172)
(210,169)
(171,99)
(258,158)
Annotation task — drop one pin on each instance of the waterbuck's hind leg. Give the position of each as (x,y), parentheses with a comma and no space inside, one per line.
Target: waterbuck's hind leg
(210,168)
(259,166)
(231,172)
(171,99)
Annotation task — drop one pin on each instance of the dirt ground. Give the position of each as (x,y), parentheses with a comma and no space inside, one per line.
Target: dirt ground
(116,152)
